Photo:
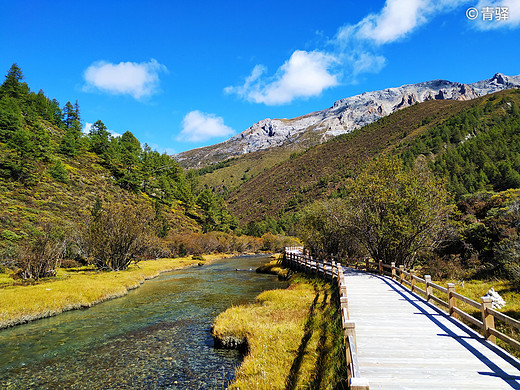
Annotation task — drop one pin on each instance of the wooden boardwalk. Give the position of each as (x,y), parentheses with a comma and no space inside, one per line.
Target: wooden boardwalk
(403,342)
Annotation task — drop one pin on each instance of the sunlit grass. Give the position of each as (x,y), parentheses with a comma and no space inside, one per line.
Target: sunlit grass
(77,288)
(294,338)
(5,280)
(274,267)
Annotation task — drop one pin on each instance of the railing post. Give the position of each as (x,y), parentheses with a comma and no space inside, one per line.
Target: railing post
(401,274)
(349,329)
(380,267)
(393,270)
(359,384)
(344,307)
(343,290)
(452,301)
(412,280)
(488,321)
(428,288)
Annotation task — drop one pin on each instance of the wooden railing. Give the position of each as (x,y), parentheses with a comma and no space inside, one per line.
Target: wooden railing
(333,271)
(409,279)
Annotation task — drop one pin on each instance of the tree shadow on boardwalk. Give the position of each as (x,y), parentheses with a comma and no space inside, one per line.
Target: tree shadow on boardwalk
(411,298)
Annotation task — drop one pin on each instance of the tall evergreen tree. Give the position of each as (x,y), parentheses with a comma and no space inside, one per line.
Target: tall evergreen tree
(99,138)
(13,85)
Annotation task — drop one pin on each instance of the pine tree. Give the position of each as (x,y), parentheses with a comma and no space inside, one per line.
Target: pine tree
(13,85)
(99,138)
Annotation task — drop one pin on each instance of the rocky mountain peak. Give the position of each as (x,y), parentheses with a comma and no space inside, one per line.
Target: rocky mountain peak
(344,116)
(499,78)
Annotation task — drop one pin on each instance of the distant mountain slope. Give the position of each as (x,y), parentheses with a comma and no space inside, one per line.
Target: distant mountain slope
(344,116)
(320,171)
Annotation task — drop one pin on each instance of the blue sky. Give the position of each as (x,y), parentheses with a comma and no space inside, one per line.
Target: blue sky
(181,75)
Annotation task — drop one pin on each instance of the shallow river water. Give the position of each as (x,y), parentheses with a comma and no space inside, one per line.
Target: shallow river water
(157,336)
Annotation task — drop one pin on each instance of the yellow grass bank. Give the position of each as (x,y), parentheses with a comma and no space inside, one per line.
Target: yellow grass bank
(294,338)
(78,289)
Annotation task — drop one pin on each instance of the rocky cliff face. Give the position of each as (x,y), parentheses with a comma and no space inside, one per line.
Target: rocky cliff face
(344,116)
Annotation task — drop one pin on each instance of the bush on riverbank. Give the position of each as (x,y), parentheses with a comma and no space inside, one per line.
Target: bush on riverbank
(190,243)
(294,338)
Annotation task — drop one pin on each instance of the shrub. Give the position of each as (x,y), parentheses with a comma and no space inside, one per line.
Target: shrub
(58,172)
(40,257)
(68,263)
(507,255)
(182,244)
(116,235)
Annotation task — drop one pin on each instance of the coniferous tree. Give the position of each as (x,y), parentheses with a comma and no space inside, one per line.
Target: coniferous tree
(13,85)
(11,118)
(70,143)
(99,139)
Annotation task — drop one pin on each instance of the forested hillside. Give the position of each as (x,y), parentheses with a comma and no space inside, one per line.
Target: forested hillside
(53,177)
(445,133)
(370,192)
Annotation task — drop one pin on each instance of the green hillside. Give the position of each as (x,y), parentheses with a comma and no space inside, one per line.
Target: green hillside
(365,193)
(53,174)
(444,132)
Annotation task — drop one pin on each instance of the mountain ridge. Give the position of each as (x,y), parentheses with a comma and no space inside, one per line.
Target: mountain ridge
(344,116)
(422,131)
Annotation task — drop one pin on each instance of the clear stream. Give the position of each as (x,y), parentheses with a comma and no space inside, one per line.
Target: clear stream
(157,336)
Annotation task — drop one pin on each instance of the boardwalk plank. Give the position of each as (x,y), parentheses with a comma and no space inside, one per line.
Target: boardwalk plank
(406,343)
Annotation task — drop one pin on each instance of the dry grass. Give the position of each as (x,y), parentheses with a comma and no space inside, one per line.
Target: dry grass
(294,338)
(74,289)
(274,267)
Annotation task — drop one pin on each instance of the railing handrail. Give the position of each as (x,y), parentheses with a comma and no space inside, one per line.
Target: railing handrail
(488,313)
(487,325)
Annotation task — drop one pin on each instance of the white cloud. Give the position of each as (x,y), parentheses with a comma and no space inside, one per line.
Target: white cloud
(138,80)
(365,62)
(88,125)
(355,49)
(305,74)
(358,44)
(396,19)
(199,126)
(162,149)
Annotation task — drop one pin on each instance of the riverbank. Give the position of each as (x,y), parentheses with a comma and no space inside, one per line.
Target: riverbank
(293,337)
(82,288)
